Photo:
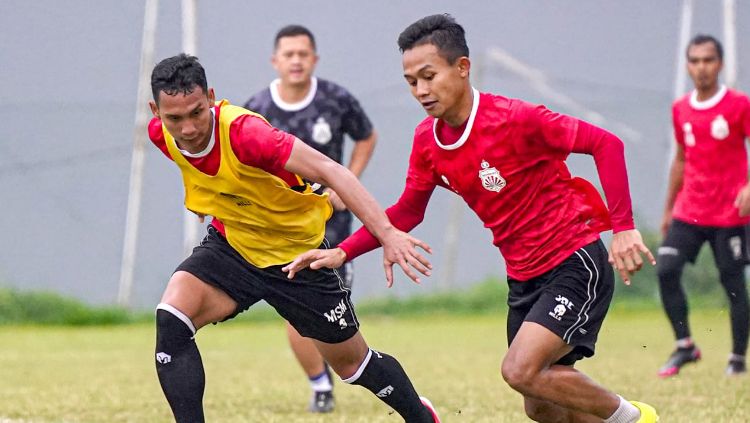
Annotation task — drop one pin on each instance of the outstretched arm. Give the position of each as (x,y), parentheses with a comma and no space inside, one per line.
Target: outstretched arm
(406,214)
(398,247)
(361,155)
(627,243)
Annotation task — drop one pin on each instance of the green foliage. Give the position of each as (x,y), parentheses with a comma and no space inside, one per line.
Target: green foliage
(54,309)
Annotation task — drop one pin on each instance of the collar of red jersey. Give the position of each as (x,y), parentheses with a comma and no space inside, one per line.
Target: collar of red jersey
(211,141)
(711,102)
(467,130)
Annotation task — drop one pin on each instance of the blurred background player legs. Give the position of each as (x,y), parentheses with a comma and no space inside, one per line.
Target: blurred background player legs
(682,244)
(322,114)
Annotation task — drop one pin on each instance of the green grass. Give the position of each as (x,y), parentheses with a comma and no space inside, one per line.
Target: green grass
(106,374)
(49,308)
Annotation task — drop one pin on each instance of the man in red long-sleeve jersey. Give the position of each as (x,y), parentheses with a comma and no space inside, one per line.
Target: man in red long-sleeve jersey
(708,200)
(506,159)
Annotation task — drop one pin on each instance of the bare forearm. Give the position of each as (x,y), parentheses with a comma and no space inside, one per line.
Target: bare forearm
(314,166)
(357,199)
(674,185)
(361,154)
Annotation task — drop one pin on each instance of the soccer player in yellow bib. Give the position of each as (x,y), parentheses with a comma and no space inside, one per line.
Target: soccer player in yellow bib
(247,176)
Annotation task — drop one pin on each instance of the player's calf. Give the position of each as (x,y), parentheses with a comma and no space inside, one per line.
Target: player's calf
(178,364)
(382,375)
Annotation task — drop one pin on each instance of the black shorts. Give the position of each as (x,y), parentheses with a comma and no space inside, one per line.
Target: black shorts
(684,241)
(338,228)
(570,300)
(315,302)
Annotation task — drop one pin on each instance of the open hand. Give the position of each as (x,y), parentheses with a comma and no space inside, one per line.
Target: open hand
(401,248)
(625,253)
(315,259)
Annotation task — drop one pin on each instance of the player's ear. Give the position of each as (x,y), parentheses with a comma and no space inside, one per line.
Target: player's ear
(464,66)
(211,96)
(154,109)
(275,61)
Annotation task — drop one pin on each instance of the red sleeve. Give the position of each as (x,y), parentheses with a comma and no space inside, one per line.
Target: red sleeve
(544,127)
(406,214)
(156,135)
(608,152)
(679,134)
(420,175)
(746,117)
(258,144)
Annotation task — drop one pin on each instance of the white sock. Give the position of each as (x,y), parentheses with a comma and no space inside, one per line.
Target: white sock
(736,357)
(685,342)
(321,382)
(625,413)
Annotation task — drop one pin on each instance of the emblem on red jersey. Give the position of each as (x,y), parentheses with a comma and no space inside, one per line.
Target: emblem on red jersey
(687,128)
(491,178)
(719,128)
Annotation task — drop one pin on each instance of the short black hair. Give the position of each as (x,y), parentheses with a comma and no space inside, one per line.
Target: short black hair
(293,31)
(703,39)
(178,74)
(442,31)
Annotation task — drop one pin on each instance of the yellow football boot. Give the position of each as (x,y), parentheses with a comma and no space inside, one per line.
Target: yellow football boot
(648,413)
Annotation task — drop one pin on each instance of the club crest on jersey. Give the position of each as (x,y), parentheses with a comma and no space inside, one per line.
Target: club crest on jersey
(321,131)
(719,128)
(491,178)
(687,128)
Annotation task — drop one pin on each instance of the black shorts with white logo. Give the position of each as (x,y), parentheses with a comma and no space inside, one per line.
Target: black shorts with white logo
(315,302)
(570,300)
(684,241)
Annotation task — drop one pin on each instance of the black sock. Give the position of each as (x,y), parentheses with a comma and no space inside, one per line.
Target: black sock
(383,376)
(179,365)
(736,289)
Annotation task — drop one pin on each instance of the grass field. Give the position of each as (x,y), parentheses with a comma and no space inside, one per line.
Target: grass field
(106,374)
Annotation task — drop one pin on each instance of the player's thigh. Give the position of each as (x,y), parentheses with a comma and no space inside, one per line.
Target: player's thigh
(730,248)
(681,244)
(534,348)
(315,302)
(215,282)
(576,300)
(202,302)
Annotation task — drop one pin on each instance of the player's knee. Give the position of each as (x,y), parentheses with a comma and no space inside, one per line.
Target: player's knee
(174,331)
(668,269)
(518,375)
